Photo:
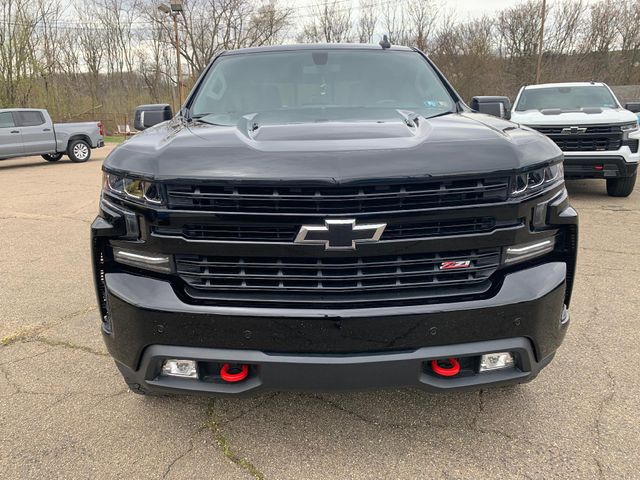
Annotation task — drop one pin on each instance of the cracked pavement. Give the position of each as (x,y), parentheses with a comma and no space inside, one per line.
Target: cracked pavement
(65,413)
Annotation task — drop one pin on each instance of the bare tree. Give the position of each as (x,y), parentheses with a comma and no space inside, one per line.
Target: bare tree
(368,21)
(394,21)
(518,29)
(628,27)
(421,17)
(19,22)
(601,36)
(330,22)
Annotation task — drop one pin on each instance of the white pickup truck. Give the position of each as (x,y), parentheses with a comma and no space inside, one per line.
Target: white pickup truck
(30,131)
(598,136)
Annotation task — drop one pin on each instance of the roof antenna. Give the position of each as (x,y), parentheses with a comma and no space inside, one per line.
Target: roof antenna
(385,43)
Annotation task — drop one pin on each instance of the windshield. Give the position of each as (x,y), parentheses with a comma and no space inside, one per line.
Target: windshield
(317,85)
(566,98)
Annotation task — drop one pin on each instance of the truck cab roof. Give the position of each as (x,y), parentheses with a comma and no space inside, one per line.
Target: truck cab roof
(565,84)
(316,46)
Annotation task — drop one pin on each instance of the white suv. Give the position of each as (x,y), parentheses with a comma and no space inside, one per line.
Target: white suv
(599,138)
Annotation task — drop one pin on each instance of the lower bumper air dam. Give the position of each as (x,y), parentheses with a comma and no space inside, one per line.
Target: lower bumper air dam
(269,372)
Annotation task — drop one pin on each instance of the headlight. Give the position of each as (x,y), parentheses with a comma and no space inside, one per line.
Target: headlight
(533,181)
(132,188)
(629,127)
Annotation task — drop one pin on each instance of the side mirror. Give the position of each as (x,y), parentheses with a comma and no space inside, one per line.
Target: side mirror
(632,107)
(147,116)
(496,106)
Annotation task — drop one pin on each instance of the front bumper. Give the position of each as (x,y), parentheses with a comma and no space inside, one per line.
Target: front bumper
(340,372)
(598,166)
(343,349)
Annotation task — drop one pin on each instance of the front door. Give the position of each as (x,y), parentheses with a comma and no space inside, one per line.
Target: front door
(37,135)
(10,136)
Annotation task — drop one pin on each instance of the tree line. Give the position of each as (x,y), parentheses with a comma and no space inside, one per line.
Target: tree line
(100,58)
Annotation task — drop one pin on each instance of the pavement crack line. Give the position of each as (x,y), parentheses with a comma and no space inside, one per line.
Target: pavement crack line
(610,394)
(401,427)
(72,346)
(514,438)
(22,359)
(14,386)
(242,414)
(476,419)
(33,331)
(225,446)
(167,470)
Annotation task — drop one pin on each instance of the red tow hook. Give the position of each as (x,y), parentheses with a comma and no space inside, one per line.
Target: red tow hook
(446,371)
(241,372)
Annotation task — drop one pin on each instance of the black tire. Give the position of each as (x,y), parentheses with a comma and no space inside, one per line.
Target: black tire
(621,187)
(79,151)
(52,157)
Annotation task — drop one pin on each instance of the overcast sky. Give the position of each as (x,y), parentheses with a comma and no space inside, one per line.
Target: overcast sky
(465,8)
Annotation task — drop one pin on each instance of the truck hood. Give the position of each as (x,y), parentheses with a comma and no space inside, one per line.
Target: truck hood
(598,117)
(332,152)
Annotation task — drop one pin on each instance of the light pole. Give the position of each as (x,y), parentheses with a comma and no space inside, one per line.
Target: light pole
(174,9)
(541,41)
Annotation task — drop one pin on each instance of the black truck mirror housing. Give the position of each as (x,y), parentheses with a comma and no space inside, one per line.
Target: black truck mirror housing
(491,105)
(632,107)
(147,116)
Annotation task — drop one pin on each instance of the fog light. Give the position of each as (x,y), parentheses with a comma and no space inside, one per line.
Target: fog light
(175,367)
(495,361)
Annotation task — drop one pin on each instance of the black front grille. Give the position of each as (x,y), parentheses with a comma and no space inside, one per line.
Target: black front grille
(586,138)
(284,232)
(337,199)
(348,278)
(586,144)
(590,129)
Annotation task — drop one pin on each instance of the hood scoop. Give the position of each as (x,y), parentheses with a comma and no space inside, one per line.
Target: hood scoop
(333,135)
(332,131)
(558,111)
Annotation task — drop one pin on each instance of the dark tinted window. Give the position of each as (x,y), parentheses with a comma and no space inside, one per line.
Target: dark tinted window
(566,98)
(6,120)
(30,119)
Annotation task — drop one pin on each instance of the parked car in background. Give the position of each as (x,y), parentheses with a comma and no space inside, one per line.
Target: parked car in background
(30,131)
(598,136)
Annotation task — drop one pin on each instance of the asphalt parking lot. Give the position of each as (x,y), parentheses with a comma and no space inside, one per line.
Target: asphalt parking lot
(65,412)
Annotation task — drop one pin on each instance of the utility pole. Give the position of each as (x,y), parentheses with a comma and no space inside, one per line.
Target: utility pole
(541,41)
(178,62)
(174,9)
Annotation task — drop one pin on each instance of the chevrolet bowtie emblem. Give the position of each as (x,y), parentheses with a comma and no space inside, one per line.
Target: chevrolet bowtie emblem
(574,130)
(340,234)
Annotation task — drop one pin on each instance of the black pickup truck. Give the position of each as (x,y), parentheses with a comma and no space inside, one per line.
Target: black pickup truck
(331,217)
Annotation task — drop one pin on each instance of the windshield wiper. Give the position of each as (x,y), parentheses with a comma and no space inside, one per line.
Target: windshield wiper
(441,114)
(201,117)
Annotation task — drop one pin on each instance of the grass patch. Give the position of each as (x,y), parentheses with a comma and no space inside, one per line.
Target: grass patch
(114,139)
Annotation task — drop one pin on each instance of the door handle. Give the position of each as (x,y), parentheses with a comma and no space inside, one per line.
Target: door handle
(14,131)
(46,129)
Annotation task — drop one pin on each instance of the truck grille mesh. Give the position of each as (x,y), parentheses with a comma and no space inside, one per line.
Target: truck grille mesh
(596,138)
(587,144)
(350,276)
(286,232)
(337,199)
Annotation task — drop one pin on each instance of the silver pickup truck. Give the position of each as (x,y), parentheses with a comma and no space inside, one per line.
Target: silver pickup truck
(30,131)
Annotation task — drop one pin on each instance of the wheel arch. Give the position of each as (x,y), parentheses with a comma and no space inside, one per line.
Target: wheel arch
(79,136)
